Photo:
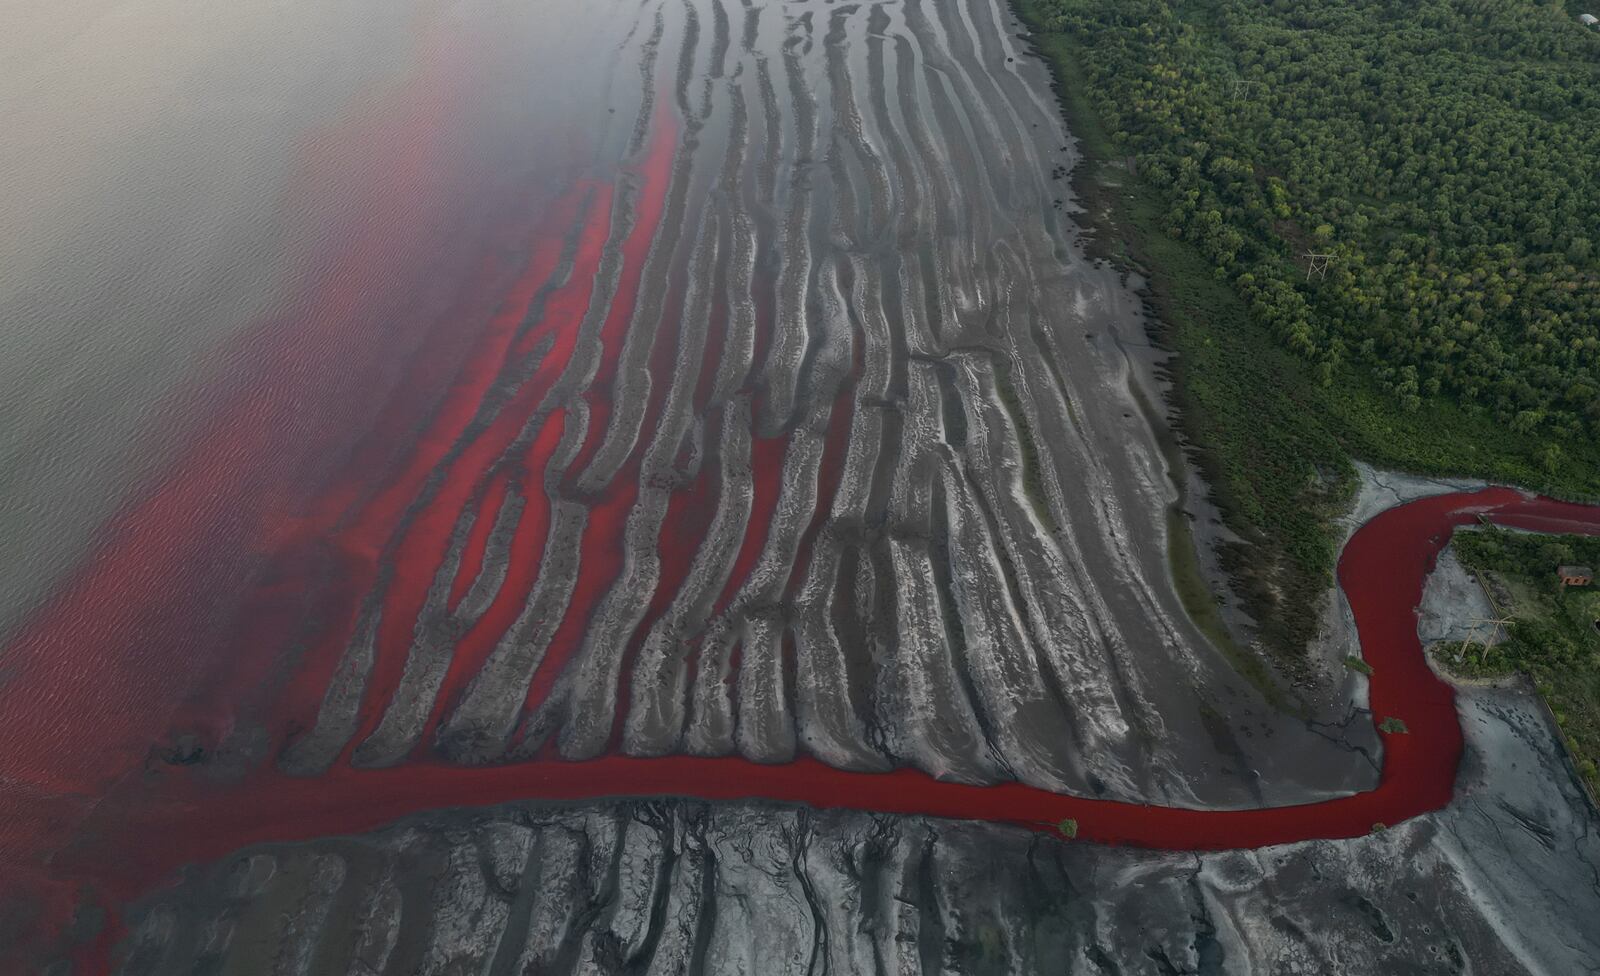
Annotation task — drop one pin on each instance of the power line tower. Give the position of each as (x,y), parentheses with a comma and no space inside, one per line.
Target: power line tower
(1488,642)
(1318,264)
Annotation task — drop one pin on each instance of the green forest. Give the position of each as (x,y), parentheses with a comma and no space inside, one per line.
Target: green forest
(1445,156)
(1441,158)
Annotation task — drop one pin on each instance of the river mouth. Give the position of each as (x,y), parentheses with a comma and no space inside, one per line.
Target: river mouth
(757,432)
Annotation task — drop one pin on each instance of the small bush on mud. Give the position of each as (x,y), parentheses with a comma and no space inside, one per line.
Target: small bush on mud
(1356,664)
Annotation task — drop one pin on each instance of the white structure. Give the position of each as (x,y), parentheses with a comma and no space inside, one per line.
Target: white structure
(1588,20)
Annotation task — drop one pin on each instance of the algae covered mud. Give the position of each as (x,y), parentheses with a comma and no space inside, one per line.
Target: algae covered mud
(667,398)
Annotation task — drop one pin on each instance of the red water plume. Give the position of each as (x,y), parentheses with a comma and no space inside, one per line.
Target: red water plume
(223,595)
(230,592)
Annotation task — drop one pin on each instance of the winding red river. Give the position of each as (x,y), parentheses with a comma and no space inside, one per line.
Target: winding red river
(1383,570)
(110,667)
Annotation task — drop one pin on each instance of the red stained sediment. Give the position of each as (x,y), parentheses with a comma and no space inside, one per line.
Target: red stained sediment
(114,660)
(654,173)
(464,456)
(363,510)
(602,552)
(124,639)
(716,340)
(690,510)
(1382,570)
(601,548)
(472,553)
(195,588)
(525,558)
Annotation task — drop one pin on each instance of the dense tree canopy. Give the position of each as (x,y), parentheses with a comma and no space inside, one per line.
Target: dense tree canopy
(1444,153)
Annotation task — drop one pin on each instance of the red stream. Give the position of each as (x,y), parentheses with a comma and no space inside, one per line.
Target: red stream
(116,662)
(1382,572)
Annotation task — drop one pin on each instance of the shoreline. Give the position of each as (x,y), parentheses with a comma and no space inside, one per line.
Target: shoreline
(1280,535)
(1216,594)
(1103,188)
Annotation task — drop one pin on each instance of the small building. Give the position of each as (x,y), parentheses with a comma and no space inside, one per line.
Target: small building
(1575,575)
(1588,20)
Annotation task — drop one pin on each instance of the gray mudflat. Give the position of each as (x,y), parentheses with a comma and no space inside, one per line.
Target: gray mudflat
(960,563)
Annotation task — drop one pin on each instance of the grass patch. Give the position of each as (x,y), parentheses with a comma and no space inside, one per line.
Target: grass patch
(1201,605)
(1357,665)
